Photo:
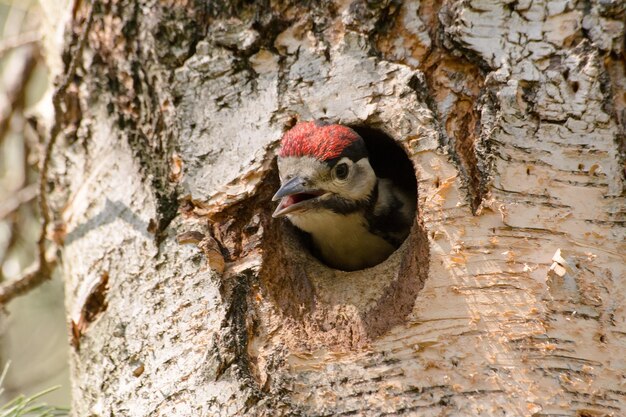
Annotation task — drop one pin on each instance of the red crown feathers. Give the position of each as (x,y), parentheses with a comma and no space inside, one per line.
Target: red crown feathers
(316,139)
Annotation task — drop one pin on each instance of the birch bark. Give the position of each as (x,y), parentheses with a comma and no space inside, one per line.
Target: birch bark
(188,299)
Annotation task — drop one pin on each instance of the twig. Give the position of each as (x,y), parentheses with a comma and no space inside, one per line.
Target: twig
(41,270)
(15,93)
(32,277)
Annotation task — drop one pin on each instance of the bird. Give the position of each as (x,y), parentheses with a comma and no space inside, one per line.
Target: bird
(329,190)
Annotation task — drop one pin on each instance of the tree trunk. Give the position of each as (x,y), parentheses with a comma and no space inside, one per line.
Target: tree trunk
(186,298)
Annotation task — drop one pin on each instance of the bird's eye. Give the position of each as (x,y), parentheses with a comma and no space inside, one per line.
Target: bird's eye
(341,171)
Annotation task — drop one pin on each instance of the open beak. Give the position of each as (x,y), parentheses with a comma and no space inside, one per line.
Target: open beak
(295,195)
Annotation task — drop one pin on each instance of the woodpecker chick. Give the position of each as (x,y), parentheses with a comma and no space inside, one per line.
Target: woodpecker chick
(329,190)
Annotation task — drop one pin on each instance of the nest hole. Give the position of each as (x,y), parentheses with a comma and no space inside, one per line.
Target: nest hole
(325,307)
(389,159)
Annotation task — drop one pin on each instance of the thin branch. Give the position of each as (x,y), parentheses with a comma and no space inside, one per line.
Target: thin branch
(32,277)
(42,269)
(15,93)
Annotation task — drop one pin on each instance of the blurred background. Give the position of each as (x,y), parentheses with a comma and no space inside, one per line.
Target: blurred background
(33,331)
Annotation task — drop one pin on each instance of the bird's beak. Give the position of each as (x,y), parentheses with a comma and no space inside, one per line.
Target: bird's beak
(294,195)
(295,185)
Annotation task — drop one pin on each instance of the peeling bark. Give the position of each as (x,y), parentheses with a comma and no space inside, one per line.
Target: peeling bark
(506,299)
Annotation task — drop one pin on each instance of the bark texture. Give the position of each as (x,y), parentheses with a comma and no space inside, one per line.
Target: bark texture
(187,299)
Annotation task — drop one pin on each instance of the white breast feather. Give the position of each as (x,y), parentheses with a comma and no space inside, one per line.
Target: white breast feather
(344,240)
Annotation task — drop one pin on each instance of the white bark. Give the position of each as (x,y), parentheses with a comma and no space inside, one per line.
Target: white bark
(507,299)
